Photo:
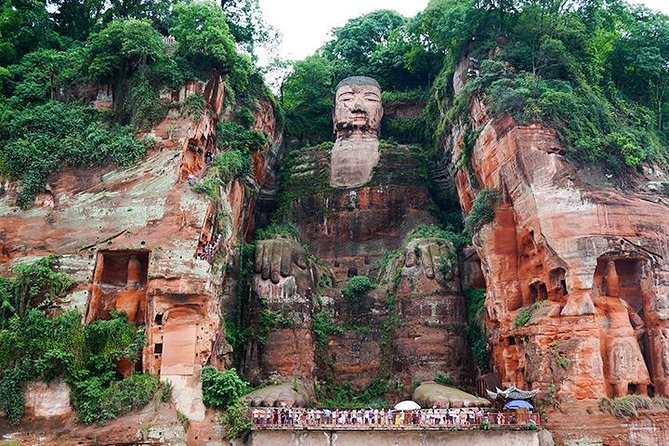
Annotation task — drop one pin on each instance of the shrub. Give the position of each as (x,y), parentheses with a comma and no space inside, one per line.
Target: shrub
(324,326)
(482,211)
(122,397)
(232,165)
(194,106)
(221,388)
(43,139)
(444,379)
(225,168)
(525,314)
(34,346)
(144,106)
(625,406)
(344,396)
(278,230)
(230,135)
(356,287)
(236,420)
(661,401)
(476,333)
(246,118)
(405,130)
(36,285)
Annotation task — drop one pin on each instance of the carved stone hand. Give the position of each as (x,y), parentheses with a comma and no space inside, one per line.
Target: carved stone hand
(434,254)
(275,258)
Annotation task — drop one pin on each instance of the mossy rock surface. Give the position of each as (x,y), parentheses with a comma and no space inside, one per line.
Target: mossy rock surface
(430,394)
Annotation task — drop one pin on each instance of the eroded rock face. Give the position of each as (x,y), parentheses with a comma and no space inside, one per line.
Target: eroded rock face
(588,256)
(134,239)
(352,205)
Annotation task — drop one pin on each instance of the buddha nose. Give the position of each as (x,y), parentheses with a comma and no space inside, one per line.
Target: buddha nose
(358,105)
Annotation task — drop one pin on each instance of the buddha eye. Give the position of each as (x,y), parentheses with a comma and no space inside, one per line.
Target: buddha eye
(372,98)
(346,97)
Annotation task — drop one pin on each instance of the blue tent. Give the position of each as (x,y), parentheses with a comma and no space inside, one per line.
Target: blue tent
(518,404)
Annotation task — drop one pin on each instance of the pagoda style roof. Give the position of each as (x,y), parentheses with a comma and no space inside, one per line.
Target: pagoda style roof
(512,393)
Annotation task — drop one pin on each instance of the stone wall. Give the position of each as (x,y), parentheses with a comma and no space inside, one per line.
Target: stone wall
(394,438)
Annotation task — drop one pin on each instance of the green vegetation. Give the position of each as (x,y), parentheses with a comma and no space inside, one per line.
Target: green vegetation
(628,405)
(444,379)
(525,314)
(305,179)
(476,333)
(625,406)
(194,106)
(596,72)
(33,346)
(230,135)
(378,44)
(35,285)
(405,130)
(324,326)
(482,211)
(41,139)
(346,397)
(236,420)
(274,230)
(560,359)
(54,58)
(237,332)
(226,167)
(222,388)
(119,398)
(356,287)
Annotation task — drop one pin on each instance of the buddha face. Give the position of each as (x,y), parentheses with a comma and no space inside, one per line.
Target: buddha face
(358,110)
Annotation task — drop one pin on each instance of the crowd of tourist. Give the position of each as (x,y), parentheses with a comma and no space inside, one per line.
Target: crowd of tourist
(272,417)
(208,251)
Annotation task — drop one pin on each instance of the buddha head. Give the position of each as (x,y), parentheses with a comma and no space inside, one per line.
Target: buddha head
(358,110)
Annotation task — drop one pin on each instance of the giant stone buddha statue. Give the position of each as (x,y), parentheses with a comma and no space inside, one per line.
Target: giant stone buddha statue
(353,203)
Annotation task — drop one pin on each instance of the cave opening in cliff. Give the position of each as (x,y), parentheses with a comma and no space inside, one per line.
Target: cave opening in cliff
(622,277)
(558,282)
(538,291)
(119,284)
(115,268)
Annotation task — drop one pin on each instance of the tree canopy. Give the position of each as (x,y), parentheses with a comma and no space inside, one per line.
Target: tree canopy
(54,54)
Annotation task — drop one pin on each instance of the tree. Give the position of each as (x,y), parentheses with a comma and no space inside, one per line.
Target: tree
(121,49)
(76,19)
(247,24)
(355,42)
(24,26)
(306,96)
(640,60)
(203,38)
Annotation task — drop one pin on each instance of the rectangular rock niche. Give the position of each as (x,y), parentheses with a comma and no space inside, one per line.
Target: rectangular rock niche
(119,283)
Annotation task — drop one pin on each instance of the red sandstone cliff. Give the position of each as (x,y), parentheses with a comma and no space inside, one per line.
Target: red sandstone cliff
(130,238)
(589,256)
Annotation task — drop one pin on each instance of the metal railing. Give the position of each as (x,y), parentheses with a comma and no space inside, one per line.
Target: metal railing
(367,419)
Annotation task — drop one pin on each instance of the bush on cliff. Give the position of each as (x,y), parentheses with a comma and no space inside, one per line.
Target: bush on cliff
(222,388)
(46,123)
(482,211)
(236,420)
(226,167)
(625,406)
(85,356)
(356,287)
(43,139)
